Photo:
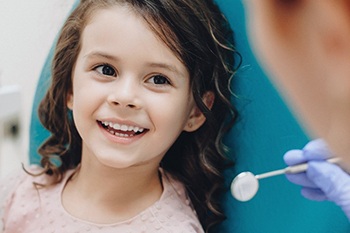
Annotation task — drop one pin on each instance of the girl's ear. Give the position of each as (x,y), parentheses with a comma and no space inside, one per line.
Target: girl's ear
(197,118)
(70,101)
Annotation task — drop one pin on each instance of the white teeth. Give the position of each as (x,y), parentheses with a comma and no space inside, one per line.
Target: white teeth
(116,126)
(122,135)
(124,128)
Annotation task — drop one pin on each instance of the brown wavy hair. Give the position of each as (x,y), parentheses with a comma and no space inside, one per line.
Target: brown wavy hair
(200,36)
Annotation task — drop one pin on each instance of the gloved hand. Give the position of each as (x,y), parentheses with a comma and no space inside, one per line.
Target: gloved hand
(322,180)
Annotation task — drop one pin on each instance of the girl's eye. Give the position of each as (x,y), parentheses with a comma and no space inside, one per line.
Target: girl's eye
(106,70)
(159,80)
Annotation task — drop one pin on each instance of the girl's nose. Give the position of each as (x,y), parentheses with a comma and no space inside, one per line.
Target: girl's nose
(124,94)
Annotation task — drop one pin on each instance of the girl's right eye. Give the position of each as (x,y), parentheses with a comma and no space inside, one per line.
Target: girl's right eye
(106,70)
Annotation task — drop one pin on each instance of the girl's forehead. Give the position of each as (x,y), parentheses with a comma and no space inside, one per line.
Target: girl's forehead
(122,33)
(163,29)
(94,10)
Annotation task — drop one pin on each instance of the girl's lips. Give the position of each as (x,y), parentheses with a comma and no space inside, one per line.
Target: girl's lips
(123,132)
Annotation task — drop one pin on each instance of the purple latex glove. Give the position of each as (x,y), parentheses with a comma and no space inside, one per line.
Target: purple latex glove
(322,180)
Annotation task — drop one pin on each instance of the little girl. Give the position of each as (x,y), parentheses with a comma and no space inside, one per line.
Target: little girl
(137,107)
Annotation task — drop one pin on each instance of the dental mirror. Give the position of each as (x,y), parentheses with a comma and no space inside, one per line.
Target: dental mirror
(245,185)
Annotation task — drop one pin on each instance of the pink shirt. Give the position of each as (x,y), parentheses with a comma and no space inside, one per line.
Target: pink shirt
(26,209)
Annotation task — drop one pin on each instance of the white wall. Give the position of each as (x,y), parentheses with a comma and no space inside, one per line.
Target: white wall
(27,31)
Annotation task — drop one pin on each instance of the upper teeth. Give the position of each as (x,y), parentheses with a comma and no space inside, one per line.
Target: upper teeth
(123,127)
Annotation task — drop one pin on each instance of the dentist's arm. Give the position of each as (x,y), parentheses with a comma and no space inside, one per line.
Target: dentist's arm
(322,180)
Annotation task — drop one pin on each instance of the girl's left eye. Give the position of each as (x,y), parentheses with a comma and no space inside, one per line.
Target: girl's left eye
(106,70)
(158,80)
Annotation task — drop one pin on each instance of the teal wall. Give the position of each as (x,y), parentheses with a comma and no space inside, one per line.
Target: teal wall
(265,130)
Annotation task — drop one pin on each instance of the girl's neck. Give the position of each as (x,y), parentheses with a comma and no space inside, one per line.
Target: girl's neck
(102,194)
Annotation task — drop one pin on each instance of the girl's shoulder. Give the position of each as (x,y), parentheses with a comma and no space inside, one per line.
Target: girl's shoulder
(174,209)
(22,177)
(12,180)
(23,196)
(15,184)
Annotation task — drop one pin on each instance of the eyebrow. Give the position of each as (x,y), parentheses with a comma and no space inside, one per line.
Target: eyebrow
(101,54)
(166,66)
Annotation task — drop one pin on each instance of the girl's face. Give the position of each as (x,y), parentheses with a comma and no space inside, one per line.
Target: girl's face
(131,95)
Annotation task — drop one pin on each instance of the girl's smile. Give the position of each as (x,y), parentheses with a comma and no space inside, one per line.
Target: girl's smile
(129,130)
(121,132)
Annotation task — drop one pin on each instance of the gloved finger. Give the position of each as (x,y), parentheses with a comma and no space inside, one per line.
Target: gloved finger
(294,157)
(331,179)
(317,150)
(314,194)
(301,179)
